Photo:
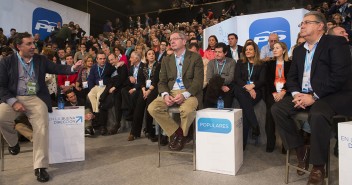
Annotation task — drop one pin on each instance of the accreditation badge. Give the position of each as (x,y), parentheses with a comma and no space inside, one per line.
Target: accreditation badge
(67,83)
(101,83)
(148,83)
(32,88)
(279,86)
(180,83)
(85,85)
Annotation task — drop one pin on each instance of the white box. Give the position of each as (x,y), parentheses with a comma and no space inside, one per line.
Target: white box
(345,152)
(66,135)
(219,140)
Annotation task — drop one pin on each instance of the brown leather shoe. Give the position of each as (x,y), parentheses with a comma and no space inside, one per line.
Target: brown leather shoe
(131,137)
(179,143)
(316,176)
(303,159)
(173,139)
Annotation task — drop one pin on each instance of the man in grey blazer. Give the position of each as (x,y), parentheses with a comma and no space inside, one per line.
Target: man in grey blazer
(181,81)
(225,67)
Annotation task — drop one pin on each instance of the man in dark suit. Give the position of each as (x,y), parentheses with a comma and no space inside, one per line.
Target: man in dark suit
(180,83)
(234,50)
(23,90)
(132,87)
(162,52)
(320,81)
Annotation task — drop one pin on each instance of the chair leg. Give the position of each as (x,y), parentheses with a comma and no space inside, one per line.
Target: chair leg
(194,146)
(2,145)
(159,138)
(287,166)
(327,173)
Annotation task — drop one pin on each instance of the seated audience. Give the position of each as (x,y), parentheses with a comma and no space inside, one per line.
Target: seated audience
(266,53)
(81,86)
(276,74)
(179,85)
(209,53)
(220,76)
(66,82)
(99,76)
(112,96)
(72,100)
(320,83)
(149,91)
(248,84)
(133,84)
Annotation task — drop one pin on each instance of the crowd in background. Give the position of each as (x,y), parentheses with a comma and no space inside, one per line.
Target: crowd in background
(145,41)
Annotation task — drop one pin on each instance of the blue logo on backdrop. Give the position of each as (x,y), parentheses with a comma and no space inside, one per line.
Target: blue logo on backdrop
(260,30)
(44,22)
(214,125)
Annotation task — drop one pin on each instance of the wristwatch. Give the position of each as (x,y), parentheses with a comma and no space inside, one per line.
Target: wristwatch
(314,97)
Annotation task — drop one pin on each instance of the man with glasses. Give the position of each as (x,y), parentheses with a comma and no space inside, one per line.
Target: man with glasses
(320,82)
(181,81)
(266,53)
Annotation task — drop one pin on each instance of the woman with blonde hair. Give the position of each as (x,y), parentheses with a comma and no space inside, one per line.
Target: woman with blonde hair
(81,87)
(276,70)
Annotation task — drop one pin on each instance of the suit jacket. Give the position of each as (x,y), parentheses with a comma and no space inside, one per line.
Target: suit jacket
(227,73)
(154,76)
(192,74)
(331,74)
(93,78)
(162,56)
(140,77)
(239,51)
(9,77)
(270,75)
(258,75)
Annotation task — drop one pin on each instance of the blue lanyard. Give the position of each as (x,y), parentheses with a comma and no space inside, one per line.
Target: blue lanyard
(150,71)
(223,65)
(250,72)
(280,70)
(135,71)
(102,71)
(308,60)
(31,70)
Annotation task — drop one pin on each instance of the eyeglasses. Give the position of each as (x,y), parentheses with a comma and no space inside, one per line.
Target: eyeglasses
(172,39)
(308,22)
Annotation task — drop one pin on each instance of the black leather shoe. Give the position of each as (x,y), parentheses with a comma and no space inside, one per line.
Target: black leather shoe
(14,150)
(153,138)
(255,131)
(42,175)
(89,132)
(103,131)
(164,140)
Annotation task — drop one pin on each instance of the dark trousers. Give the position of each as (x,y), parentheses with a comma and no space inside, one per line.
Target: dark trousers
(320,119)
(129,101)
(247,104)
(115,97)
(226,96)
(269,123)
(138,114)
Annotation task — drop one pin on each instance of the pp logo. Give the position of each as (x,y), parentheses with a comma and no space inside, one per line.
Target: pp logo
(44,22)
(260,30)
